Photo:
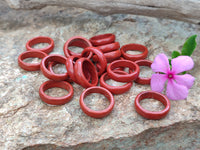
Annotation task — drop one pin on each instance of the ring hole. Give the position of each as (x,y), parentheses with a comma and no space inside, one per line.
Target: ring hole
(152,105)
(134,52)
(145,72)
(59,69)
(32,60)
(114,83)
(126,69)
(56,92)
(75,49)
(40,45)
(96,101)
(88,76)
(88,72)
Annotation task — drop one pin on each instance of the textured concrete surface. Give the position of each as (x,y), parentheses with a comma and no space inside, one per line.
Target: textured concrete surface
(28,123)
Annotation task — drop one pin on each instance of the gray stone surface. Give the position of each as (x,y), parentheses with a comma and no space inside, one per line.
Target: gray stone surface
(28,123)
(185,10)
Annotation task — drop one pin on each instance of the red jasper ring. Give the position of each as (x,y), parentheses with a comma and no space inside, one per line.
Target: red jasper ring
(70,66)
(50,74)
(93,113)
(56,100)
(82,68)
(102,39)
(133,70)
(109,47)
(40,39)
(50,68)
(134,47)
(149,114)
(120,68)
(143,62)
(115,89)
(30,54)
(77,41)
(70,69)
(101,58)
(110,56)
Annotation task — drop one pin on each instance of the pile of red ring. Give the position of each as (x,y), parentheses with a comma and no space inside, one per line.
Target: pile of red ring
(90,67)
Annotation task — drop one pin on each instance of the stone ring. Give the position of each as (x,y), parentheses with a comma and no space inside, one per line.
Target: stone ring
(50,68)
(102,39)
(150,114)
(131,76)
(40,39)
(93,113)
(110,56)
(70,66)
(109,47)
(100,56)
(30,54)
(134,47)
(77,41)
(56,100)
(115,89)
(143,62)
(50,74)
(84,69)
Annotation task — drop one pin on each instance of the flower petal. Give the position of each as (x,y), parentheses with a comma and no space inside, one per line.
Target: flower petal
(181,64)
(176,91)
(160,64)
(158,82)
(186,80)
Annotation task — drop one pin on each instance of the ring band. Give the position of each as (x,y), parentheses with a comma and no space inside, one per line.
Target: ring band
(143,62)
(77,41)
(101,113)
(102,39)
(109,47)
(115,89)
(134,47)
(70,69)
(40,39)
(50,68)
(110,56)
(123,63)
(30,54)
(56,100)
(70,66)
(151,114)
(82,68)
(101,58)
(51,75)
(120,68)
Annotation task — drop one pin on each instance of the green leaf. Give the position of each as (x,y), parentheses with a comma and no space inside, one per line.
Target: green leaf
(170,62)
(175,54)
(189,46)
(184,72)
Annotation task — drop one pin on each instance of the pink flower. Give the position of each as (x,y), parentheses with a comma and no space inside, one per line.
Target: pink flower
(177,85)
